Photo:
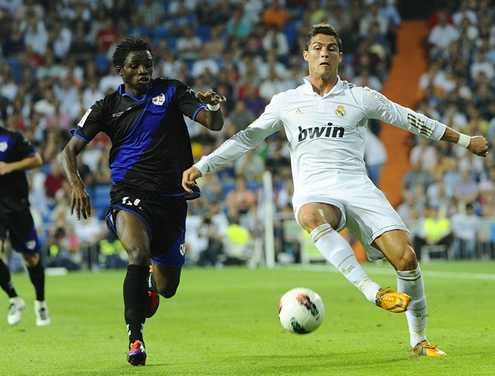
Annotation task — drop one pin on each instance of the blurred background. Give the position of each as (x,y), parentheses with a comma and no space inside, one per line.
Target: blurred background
(437,57)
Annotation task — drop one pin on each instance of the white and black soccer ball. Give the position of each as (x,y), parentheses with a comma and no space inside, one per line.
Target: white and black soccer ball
(301,310)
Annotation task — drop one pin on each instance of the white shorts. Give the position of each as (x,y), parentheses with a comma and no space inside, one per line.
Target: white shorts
(366,211)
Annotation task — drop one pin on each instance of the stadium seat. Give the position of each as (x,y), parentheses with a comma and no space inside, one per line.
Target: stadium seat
(203,32)
(290,32)
(438,251)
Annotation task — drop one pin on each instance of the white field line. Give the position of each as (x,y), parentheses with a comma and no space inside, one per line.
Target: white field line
(391,271)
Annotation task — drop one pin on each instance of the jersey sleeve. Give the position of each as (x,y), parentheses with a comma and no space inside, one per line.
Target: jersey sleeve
(90,124)
(189,103)
(24,147)
(268,123)
(379,107)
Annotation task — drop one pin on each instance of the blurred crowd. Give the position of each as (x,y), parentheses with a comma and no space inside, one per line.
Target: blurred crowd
(55,62)
(448,193)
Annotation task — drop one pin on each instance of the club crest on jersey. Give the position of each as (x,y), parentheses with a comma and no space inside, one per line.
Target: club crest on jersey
(3,146)
(31,244)
(83,119)
(340,111)
(159,100)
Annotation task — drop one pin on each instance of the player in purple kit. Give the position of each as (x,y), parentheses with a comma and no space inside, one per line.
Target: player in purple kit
(150,149)
(17,155)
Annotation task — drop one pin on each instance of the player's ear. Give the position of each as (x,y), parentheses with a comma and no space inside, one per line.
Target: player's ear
(118,70)
(305,55)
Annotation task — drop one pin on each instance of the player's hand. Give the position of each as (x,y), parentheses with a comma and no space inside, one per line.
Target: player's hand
(210,97)
(189,179)
(5,168)
(80,202)
(479,146)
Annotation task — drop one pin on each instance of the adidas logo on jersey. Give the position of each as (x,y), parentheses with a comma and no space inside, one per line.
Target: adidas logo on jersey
(318,132)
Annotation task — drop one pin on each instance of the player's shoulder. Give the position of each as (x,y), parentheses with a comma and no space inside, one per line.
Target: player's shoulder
(289,94)
(13,133)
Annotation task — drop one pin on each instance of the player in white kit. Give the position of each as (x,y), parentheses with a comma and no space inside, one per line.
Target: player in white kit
(325,122)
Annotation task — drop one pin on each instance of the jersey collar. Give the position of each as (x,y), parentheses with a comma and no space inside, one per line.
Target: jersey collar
(337,89)
(141,99)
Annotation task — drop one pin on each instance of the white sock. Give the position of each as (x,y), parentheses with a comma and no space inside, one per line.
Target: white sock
(411,283)
(339,253)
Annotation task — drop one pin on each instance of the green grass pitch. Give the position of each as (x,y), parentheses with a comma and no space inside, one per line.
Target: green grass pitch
(224,322)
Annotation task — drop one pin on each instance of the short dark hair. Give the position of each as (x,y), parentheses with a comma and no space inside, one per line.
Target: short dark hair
(322,28)
(129,45)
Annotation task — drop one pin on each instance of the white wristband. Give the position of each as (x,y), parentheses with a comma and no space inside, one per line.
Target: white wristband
(464,140)
(213,107)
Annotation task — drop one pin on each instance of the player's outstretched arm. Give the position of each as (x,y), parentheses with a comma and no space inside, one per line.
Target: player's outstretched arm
(477,145)
(189,179)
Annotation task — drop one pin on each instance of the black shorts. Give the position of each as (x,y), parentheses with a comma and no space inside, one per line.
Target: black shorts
(21,231)
(164,216)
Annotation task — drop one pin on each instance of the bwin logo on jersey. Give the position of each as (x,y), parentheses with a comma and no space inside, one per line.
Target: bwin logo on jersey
(318,132)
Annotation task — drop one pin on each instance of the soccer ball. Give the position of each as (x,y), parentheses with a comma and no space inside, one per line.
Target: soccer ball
(301,310)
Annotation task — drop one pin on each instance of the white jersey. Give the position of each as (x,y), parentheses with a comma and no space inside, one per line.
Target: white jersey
(326,134)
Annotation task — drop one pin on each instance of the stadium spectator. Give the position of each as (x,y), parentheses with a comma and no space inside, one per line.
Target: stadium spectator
(241,116)
(276,15)
(188,45)
(16,223)
(388,10)
(150,226)
(216,43)
(275,42)
(435,231)
(417,176)
(237,26)
(204,63)
(152,13)
(35,33)
(241,199)
(424,153)
(183,19)
(212,230)
(80,50)
(464,12)
(375,156)
(323,204)
(251,97)
(467,190)
(465,227)
(442,36)
(365,78)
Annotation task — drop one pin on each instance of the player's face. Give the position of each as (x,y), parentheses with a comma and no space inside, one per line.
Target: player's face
(136,72)
(323,56)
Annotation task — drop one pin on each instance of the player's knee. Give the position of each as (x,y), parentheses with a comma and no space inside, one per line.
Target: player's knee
(137,256)
(310,220)
(408,261)
(166,290)
(31,259)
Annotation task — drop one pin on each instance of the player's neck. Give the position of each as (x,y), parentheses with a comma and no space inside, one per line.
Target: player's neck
(323,85)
